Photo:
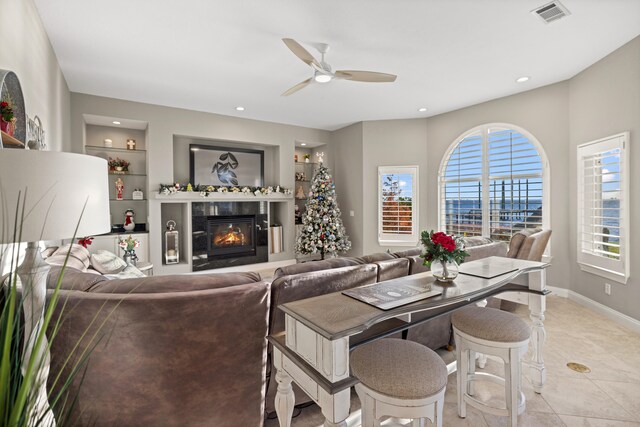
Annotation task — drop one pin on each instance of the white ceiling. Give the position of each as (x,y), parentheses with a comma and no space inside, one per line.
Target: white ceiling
(215,55)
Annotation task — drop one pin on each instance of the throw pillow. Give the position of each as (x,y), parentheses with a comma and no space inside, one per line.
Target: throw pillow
(107,262)
(79,258)
(46,253)
(129,272)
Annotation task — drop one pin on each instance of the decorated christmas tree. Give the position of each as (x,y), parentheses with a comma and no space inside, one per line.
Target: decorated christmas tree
(322,230)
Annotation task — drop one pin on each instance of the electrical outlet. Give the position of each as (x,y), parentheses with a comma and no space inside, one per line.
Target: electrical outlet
(607,288)
(352,213)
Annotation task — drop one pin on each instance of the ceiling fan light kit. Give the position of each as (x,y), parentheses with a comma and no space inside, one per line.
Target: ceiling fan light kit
(322,71)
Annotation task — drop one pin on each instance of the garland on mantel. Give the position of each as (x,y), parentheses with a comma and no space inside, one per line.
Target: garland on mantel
(205,190)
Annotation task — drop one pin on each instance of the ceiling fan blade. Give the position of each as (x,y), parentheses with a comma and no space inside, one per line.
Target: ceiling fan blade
(298,87)
(302,53)
(365,76)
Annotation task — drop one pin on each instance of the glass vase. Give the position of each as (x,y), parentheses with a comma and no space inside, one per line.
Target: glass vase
(444,271)
(130,257)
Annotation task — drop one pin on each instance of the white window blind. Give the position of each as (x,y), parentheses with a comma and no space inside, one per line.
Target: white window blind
(492,184)
(603,206)
(461,192)
(398,205)
(515,183)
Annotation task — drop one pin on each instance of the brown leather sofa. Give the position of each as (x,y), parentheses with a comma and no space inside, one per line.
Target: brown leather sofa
(173,350)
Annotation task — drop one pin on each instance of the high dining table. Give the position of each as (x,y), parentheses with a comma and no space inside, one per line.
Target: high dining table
(320,332)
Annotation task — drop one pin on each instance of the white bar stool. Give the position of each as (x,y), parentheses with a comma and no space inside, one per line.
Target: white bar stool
(492,332)
(400,379)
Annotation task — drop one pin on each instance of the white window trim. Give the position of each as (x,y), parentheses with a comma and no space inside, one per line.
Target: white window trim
(617,271)
(395,239)
(546,176)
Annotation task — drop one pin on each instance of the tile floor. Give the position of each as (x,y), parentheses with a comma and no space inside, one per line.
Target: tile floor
(607,396)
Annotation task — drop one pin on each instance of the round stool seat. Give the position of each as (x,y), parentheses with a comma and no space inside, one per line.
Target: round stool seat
(399,368)
(490,324)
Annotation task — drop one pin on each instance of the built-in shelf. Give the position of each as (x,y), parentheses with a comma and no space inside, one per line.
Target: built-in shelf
(303,180)
(127,174)
(10,141)
(306,163)
(128,200)
(97,147)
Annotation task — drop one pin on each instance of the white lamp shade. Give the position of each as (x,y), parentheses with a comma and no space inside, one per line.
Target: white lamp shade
(57,186)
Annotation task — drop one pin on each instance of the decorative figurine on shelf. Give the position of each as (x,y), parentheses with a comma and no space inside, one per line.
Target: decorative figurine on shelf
(320,156)
(137,194)
(129,246)
(307,157)
(171,244)
(129,225)
(295,157)
(108,143)
(189,187)
(300,176)
(131,144)
(119,189)
(300,193)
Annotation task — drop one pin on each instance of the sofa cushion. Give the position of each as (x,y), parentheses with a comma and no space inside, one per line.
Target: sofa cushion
(408,253)
(73,279)
(534,245)
(107,262)
(129,272)
(379,256)
(174,283)
(470,242)
(47,252)
(306,285)
(79,257)
(306,267)
(517,240)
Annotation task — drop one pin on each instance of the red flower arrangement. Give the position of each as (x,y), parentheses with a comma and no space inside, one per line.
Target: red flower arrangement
(85,241)
(442,247)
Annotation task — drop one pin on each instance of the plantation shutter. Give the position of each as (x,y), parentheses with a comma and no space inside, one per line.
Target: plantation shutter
(603,206)
(398,204)
(461,191)
(515,183)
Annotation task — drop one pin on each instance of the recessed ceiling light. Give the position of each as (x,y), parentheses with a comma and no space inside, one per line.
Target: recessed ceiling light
(303,144)
(115,122)
(522,79)
(239,108)
(422,109)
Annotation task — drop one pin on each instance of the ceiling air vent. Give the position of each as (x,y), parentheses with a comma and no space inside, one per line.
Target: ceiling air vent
(551,12)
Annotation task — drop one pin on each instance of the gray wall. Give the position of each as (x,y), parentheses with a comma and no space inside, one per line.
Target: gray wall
(392,143)
(605,100)
(166,122)
(346,149)
(26,51)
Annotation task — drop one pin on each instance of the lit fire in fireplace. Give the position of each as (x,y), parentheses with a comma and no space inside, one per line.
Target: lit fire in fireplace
(230,237)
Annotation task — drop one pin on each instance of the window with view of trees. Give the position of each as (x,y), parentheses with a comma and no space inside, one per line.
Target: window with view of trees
(398,205)
(491,184)
(603,206)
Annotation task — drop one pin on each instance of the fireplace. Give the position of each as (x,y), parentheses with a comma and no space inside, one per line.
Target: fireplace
(231,235)
(228,234)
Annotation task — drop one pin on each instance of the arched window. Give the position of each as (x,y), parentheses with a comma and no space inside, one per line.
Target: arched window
(493,182)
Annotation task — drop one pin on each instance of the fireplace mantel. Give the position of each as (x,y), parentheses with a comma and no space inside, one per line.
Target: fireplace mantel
(224,197)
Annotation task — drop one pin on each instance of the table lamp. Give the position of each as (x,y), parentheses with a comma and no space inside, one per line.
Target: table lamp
(54,188)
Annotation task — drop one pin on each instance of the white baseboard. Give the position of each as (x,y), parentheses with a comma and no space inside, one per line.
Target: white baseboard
(608,312)
(561,292)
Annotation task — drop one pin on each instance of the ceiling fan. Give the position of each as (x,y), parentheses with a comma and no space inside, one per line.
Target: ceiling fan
(322,71)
